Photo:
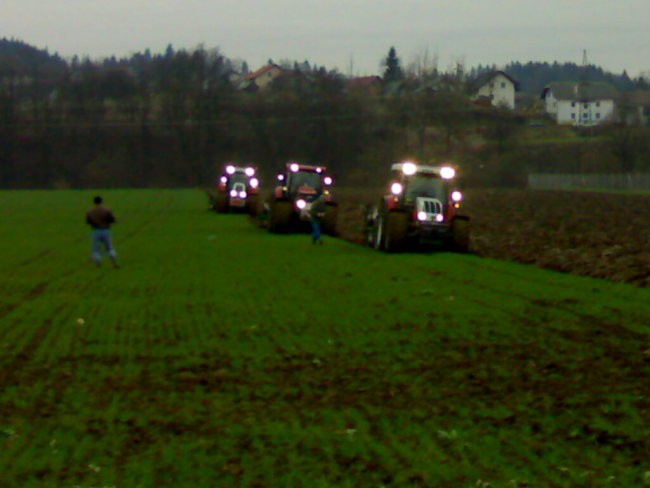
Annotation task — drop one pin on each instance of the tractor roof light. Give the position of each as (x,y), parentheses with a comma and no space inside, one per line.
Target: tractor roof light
(396,188)
(447,172)
(230,169)
(409,169)
(456,196)
(295,167)
(328,180)
(319,169)
(249,171)
(254,182)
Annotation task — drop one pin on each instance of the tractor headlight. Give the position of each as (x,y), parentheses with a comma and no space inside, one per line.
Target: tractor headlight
(422,216)
(409,168)
(230,169)
(280,177)
(249,171)
(440,217)
(254,182)
(447,172)
(456,196)
(233,193)
(301,204)
(223,179)
(294,167)
(327,180)
(396,188)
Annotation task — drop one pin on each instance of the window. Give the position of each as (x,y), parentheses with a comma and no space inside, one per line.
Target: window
(597,104)
(573,104)
(586,105)
(585,115)
(573,116)
(503,84)
(597,115)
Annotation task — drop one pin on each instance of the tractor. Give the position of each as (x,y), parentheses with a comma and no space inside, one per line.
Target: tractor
(298,185)
(421,209)
(237,190)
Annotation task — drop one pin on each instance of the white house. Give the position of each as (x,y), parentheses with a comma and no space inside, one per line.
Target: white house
(582,104)
(262,78)
(495,87)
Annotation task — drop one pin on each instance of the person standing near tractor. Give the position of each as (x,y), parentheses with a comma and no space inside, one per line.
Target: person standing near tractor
(100,218)
(317,211)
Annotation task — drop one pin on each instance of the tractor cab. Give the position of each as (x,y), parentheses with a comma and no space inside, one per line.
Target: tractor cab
(237,189)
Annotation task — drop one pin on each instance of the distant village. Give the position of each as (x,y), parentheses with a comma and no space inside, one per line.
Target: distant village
(576,103)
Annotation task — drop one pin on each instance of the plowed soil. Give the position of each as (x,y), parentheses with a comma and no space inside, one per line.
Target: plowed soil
(602,235)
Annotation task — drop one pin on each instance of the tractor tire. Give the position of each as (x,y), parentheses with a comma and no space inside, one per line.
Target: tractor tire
(279,217)
(395,231)
(221,203)
(330,220)
(460,235)
(252,206)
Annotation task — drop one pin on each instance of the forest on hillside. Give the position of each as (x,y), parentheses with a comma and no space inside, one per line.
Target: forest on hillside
(173,118)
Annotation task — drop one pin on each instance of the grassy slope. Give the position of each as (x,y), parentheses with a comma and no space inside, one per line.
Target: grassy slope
(221,355)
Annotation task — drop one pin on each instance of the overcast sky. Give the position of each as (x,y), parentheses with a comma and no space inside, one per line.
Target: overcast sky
(344,33)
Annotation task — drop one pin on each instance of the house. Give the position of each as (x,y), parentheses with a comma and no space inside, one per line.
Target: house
(262,78)
(365,84)
(494,88)
(582,104)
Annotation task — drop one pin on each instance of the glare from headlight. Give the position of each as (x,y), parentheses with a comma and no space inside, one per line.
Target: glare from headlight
(242,194)
(254,182)
(439,217)
(456,196)
(396,188)
(233,193)
(447,172)
(294,167)
(327,180)
(301,204)
(250,171)
(230,169)
(409,168)
(224,179)
(422,216)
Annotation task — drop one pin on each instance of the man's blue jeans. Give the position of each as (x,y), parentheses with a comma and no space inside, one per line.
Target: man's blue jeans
(315,231)
(102,238)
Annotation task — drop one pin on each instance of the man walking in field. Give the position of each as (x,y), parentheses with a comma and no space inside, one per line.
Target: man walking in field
(100,218)
(317,212)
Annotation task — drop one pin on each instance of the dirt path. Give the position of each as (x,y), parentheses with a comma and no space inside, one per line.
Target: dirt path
(600,235)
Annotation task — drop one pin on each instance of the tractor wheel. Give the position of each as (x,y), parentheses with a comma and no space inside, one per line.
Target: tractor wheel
(330,219)
(221,203)
(395,231)
(280,217)
(460,235)
(252,205)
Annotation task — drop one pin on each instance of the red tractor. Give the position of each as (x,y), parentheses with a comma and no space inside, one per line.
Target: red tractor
(237,189)
(422,208)
(298,186)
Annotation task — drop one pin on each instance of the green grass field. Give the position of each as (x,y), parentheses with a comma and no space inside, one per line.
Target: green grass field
(220,355)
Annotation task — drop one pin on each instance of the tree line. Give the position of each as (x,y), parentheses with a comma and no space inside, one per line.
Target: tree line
(174,118)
